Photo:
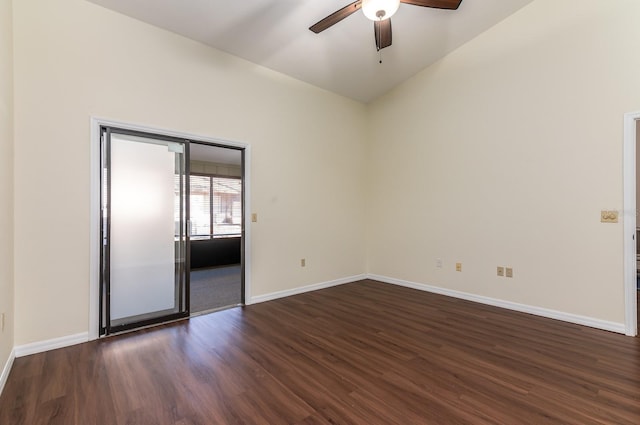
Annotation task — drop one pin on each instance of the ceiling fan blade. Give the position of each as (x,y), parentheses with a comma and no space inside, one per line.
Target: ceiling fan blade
(336,17)
(438,4)
(382,32)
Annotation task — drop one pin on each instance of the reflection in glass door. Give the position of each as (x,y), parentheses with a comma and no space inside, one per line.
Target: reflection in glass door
(144,274)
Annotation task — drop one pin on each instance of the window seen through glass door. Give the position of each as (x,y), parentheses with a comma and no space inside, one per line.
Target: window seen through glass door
(216,206)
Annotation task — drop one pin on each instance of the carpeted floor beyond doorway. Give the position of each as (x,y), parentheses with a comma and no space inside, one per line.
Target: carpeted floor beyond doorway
(215,288)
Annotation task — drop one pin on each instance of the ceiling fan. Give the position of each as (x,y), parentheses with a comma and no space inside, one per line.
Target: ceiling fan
(380,12)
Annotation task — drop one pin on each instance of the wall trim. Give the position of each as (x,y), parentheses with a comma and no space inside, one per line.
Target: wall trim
(50,344)
(69,340)
(509,305)
(7,369)
(629,216)
(309,288)
(66,341)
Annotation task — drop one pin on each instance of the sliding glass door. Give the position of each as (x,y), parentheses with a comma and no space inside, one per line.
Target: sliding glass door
(144,276)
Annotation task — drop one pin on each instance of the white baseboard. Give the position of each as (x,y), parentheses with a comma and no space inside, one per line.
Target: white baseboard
(308,288)
(538,311)
(7,369)
(51,344)
(65,341)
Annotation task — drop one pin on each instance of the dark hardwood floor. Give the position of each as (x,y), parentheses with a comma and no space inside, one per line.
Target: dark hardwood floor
(362,353)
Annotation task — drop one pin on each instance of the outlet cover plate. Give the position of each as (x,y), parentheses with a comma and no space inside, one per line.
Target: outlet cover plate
(608,216)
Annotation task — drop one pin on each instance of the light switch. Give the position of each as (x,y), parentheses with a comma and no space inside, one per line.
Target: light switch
(254,217)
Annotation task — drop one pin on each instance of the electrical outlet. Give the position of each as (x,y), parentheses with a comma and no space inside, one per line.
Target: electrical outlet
(303,262)
(508,272)
(500,271)
(458,267)
(439,263)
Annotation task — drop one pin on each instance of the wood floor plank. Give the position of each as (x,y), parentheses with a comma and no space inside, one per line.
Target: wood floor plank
(362,353)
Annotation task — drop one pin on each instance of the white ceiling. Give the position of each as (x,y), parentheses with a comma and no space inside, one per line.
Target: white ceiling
(342,59)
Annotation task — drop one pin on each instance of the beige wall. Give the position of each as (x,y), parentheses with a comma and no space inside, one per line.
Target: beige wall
(75,60)
(6,180)
(504,153)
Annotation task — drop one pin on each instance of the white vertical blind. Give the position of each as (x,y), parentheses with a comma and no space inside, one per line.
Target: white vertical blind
(200,207)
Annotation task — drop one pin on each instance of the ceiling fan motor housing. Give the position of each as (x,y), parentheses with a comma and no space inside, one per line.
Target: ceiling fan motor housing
(377,10)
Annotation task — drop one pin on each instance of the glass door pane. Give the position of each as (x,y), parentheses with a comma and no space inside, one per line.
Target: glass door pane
(146,242)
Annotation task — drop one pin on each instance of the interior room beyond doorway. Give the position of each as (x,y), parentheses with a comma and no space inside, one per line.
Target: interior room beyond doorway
(215,227)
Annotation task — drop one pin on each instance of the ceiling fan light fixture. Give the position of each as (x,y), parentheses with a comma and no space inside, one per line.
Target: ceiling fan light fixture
(378,10)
